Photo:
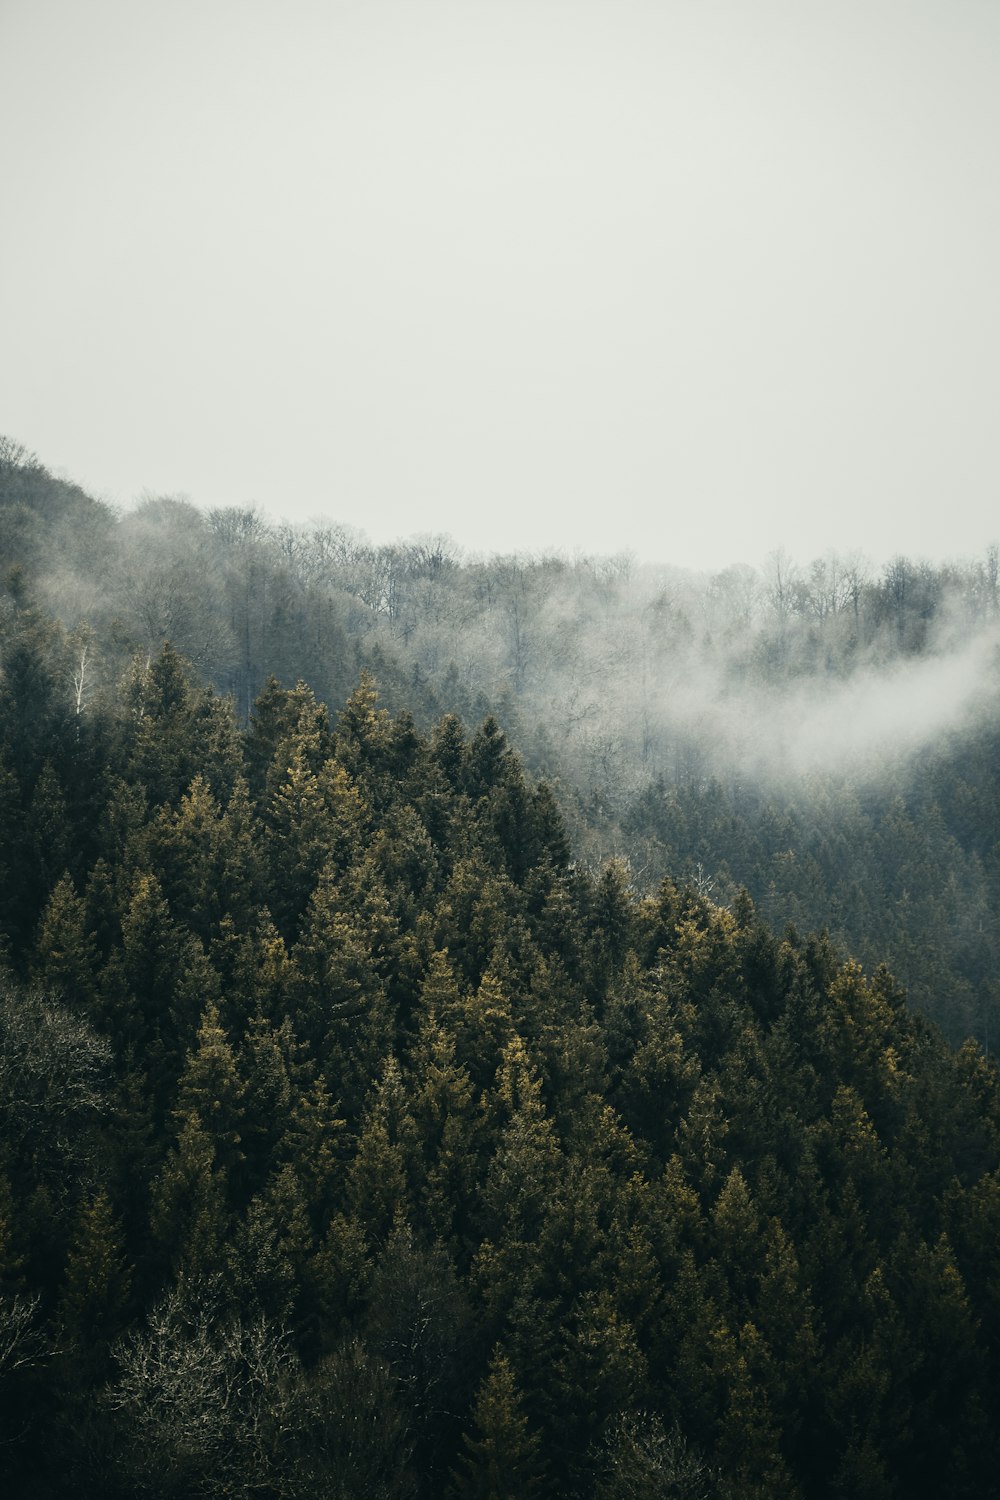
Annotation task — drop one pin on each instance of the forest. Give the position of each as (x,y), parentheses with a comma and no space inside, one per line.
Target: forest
(824,735)
(490,1027)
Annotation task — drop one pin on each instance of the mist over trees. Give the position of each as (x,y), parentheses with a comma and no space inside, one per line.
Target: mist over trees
(823,734)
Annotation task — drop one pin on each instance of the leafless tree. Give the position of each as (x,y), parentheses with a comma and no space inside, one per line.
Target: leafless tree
(197,1401)
(14,455)
(53,1072)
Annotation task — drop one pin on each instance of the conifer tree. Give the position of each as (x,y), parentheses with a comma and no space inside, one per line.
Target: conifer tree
(501,1459)
(253,965)
(342,1008)
(298,841)
(271,1066)
(177,731)
(364,736)
(190,1219)
(285,721)
(612,924)
(211,1090)
(447,750)
(101,917)
(482,1024)
(97,1279)
(749,1450)
(65,954)
(380,1176)
(314,1144)
(442,1104)
(271,1248)
(184,847)
(48,828)
(521,1180)
(152,956)
(600,1370)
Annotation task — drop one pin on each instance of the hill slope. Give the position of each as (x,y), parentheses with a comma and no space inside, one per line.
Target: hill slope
(355,1141)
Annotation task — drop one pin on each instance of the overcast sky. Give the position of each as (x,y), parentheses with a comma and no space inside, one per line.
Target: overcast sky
(693,279)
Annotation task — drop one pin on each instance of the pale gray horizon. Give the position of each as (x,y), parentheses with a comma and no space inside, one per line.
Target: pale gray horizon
(692,280)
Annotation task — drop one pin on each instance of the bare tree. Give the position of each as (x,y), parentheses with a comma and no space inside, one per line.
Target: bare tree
(14,455)
(22,1342)
(53,1073)
(197,1401)
(643,1461)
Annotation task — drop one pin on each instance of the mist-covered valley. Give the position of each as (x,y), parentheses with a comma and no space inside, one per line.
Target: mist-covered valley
(821,732)
(467,1023)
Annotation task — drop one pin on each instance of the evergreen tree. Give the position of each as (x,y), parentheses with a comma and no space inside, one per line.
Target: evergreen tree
(211,1091)
(191,1219)
(65,954)
(501,1459)
(97,1281)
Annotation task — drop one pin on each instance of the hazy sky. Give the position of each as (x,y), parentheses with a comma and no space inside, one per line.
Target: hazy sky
(693,279)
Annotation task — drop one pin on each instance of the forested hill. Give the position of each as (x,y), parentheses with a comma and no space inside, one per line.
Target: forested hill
(356,1142)
(824,734)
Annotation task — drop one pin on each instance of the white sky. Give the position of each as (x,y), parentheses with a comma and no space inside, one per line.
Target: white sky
(696,278)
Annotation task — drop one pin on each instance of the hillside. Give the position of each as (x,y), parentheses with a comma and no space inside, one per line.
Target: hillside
(355,1141)
(825,735)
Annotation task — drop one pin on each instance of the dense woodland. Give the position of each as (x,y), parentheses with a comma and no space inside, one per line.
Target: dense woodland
(365,1129)
(711,728)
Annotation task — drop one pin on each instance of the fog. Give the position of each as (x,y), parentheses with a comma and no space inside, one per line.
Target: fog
(820,730)
(610,674)
(698,677)
(862,726)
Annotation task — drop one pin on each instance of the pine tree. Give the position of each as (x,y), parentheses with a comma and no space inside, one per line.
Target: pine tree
(501,1459)
(314,1144)
(364,734)
(447,750)
(442,1104)
(97,1280)
(211,1091)
(298,841)
(736,1236)
(285,721)
(600,1370)
(152,956)
(65,954)
(486,758)
(191,1219)
(177,732)
(253,965)
(749,1450)
(483,1026)
(270,1063)
(379,1177)
(271,1248)
(101,917)
(48,829)
(342,1008)
(522,1178)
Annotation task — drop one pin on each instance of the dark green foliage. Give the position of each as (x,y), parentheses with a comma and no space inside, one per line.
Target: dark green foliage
(354,1143)
(501,1459)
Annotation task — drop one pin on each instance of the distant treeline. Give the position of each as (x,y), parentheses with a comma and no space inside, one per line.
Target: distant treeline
(657,702)
(244,598)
